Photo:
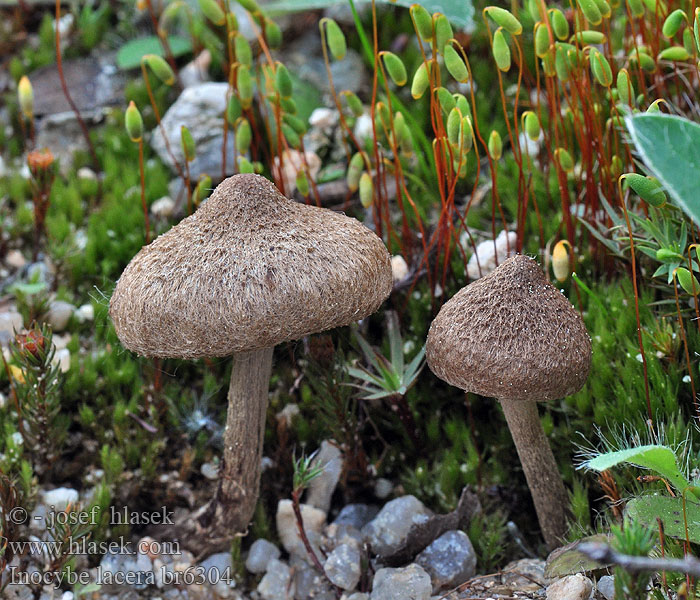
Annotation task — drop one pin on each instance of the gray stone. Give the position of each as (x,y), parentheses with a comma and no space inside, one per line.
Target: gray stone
(321,488)
(59,314)
(308,582)
(275,583)
(339,534)
(314,520)
(260,554)
(358,596)
(606,587)
(10,322)
(449,560)
(218,571)
(407,583)
(391,526)
(343,566)
(357,515)
(200,108)
(383,488)
(116,567)
(571,587)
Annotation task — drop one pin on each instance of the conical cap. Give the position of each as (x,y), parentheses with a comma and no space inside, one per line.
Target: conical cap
(248,270)
(510,335)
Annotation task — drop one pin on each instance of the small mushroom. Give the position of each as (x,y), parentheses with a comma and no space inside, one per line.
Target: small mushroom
(513,336)
(248,270)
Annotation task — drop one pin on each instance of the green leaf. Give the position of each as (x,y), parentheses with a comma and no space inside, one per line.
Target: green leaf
(131,53)
(646,509)
(459,12)
(661,459)
(668,146)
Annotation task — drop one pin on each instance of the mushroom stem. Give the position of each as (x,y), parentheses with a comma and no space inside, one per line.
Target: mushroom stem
(239,479)
(541,471)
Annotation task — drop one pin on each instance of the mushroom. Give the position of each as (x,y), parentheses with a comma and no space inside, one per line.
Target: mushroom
(513,336)
(248,270)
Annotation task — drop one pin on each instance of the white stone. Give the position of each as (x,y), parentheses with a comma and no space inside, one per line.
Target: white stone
(488,254)
(294,161)
(363,128)
(62,360)
(15,259)
(314,520)
(260,554)
(86,173)
(84,313)
(321,487)
(408,583)
(163,207)
(59,314)
(399,268)
(57,499)
(572,587)
(323,118)
(287,414)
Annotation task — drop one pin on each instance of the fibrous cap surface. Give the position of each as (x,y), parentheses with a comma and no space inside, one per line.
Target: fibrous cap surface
(248,270)
(510,335)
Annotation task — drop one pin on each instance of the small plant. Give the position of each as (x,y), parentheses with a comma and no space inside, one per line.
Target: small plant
(633,539)
(390,378)
(37,386)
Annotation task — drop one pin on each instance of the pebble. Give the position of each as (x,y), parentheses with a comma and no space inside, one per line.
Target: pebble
(10,322)
(200,108)
(489,255)
(356,596)
(292,162)
(407,583)
(62,360)
(383,488)
(260,554)
(274,584)
(308,582)
(391,526)
(571,587)
(606,587)
(15,259)
(84,313)
(59,314)
(163,207)
(210,471)
(399,268)
(343,566)
(321,488)
(449,560)
(58,498)
(357,515)
(314,520)
(323,118)
(218,571)
(339,533)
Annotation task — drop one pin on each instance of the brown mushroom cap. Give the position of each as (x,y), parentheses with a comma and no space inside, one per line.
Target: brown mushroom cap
(248,270)
(510,335)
